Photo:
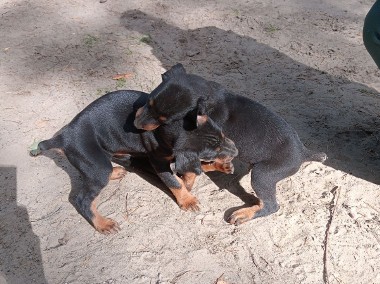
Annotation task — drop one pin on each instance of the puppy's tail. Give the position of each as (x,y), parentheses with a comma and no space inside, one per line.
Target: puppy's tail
(38,147)
(315,156)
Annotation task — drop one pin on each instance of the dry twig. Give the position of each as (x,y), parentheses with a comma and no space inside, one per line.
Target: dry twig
(333,204)
(126,208)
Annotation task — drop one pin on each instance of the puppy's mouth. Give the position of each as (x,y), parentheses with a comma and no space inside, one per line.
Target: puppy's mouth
(206,162)
(217,160)
(225,160)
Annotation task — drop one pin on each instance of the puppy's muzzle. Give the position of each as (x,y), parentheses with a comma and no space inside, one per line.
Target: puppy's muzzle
(145,121)
(230,149)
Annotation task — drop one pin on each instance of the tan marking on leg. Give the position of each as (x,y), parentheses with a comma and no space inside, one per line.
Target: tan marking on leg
(243,215)
(185,199)
(189,179)
(118,173)
(103,225)
(60,151)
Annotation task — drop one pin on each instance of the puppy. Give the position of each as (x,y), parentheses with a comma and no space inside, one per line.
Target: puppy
(265,140)
(104,131)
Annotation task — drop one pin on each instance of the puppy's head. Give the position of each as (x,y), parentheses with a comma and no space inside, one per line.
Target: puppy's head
(210,141)
(205,143)
(170,101)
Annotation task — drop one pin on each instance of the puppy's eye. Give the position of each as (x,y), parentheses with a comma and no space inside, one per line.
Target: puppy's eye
(213,142)
(216,144)
(162,118)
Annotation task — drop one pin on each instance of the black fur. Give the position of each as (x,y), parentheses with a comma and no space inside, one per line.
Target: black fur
(264,140)
(104,131)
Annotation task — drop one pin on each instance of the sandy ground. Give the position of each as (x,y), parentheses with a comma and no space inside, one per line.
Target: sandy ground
(303,59)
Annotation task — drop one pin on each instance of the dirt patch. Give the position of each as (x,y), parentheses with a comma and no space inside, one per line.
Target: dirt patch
(304,60)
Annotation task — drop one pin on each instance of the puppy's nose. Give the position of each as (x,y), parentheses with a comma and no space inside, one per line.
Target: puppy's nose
(232,147)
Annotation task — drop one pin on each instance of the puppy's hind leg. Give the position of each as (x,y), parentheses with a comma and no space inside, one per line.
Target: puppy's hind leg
(245,214)
(87,206)
(96,174)
(264,177)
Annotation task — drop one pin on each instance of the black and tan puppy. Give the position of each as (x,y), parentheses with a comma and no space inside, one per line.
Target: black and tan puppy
(264,140)
(104,131)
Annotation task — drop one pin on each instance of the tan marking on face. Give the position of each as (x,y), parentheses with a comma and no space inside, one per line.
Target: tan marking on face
(150,127)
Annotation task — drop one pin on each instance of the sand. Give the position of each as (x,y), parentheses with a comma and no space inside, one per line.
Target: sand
(303,59)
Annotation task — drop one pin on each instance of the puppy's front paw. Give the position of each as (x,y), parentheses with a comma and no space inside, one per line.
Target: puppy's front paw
(190,203)
(106,226)
(118,173)
(243,215)
(238,217)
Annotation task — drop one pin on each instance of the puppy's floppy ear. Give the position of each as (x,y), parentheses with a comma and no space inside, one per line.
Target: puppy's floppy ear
(196,116)
(201,119)
(190,120)
(201,106)
(187,162)
(176,69)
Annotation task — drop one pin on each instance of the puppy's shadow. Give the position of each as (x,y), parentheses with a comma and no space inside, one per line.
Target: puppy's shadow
(138,165)
(331,113)
(20,250)
(142,167)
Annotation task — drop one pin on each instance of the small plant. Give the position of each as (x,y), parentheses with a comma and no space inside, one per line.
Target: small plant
(236,13)
(90,40)
(120,83)
(146,39)
(271,28)
(128,51)
(102,92)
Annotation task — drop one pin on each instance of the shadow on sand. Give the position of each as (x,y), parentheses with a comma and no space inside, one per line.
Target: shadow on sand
(20,254)
(331,114)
